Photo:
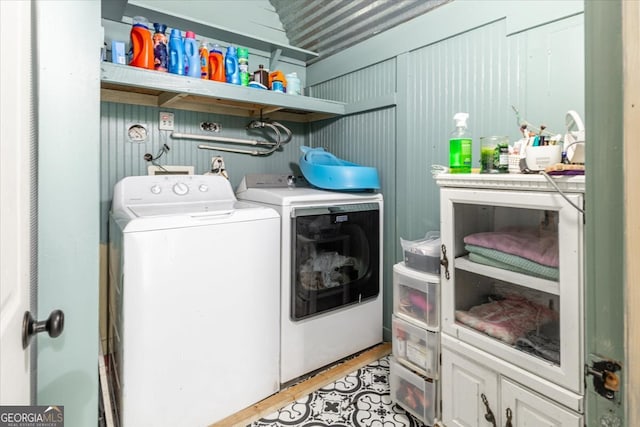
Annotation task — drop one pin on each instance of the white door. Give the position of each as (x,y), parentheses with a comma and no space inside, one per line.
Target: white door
(464,383)
(528,409)
(16,142)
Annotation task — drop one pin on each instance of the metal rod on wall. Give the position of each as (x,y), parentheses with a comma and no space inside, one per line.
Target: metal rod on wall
(224,139)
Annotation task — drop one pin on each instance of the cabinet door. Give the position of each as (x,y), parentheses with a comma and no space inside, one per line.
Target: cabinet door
(513,285)
(463,384)
(529,409)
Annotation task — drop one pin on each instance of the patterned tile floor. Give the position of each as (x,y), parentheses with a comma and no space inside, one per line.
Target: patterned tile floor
(359,399)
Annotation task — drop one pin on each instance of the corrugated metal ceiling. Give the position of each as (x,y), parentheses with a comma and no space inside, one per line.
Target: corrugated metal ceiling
(329,26)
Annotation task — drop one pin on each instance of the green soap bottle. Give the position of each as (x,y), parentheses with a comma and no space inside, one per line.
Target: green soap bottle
(460,146)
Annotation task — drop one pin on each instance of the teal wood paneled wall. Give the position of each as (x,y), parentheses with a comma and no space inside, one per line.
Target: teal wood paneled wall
(367,138)
(368,83)
(465,73)
(120,158)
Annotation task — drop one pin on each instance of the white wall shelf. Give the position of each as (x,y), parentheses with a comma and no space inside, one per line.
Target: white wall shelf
(130,85)
(548,286)
(166,12)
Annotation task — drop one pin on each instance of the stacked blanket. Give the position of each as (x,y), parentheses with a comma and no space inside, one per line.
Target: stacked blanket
(525,250)
(507,319)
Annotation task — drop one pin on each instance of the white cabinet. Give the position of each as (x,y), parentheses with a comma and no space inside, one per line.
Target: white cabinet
(531,409)
(512,298)
(470,390)
(464,383)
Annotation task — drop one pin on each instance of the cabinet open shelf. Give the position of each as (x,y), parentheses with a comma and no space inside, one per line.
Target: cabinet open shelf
(544,285)
(130,85)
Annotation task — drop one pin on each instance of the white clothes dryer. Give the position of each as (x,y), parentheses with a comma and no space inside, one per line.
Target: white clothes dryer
(194,307)
(331,270)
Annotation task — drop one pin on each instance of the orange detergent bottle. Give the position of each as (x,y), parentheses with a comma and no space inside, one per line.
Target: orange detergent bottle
(141,44)
(277,76)
(204,60)
(216,64)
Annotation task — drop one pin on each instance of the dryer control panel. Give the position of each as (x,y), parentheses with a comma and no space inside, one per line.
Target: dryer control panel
(272,181)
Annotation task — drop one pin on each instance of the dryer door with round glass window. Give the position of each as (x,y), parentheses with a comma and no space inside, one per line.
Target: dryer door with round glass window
(335,257)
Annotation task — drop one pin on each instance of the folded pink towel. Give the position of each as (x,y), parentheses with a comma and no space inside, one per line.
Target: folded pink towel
(526,243)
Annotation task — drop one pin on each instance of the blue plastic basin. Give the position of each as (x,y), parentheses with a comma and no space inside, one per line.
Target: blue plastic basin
(324,170)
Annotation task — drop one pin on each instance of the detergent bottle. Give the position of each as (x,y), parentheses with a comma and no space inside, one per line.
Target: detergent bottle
(176,52)
(231,66)
(141,44)
(293,84)
(460,146)
(204,60)
(243,65)
(216,64)
(160,52)
(192,55)
(278,82)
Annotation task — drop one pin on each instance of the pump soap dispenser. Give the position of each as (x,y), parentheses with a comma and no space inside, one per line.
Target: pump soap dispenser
(460,146)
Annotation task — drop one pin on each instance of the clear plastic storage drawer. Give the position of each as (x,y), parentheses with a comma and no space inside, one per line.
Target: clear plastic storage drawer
(415,296)
(415,347)
(417,395)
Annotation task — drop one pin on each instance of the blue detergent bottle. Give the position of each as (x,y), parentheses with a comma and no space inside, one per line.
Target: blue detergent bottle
(176,52)
(192,55)
(231,69)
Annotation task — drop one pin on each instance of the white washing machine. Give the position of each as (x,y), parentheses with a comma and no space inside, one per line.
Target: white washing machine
(194,300)
(331,295)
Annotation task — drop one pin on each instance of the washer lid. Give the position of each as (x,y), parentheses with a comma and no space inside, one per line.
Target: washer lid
(294,195)
(163,217)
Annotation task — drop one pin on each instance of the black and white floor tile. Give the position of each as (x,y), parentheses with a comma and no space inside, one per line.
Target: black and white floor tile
(360,399)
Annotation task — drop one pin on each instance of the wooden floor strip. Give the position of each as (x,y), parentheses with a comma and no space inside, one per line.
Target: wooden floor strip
(296,391)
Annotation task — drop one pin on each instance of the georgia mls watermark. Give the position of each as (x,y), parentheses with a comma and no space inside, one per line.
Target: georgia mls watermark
(32,416)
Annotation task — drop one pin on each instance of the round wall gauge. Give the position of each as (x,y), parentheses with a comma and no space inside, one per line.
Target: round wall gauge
(137,132)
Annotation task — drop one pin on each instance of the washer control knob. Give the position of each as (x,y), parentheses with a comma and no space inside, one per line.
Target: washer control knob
(204,188)
(181,188)
(156,189)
